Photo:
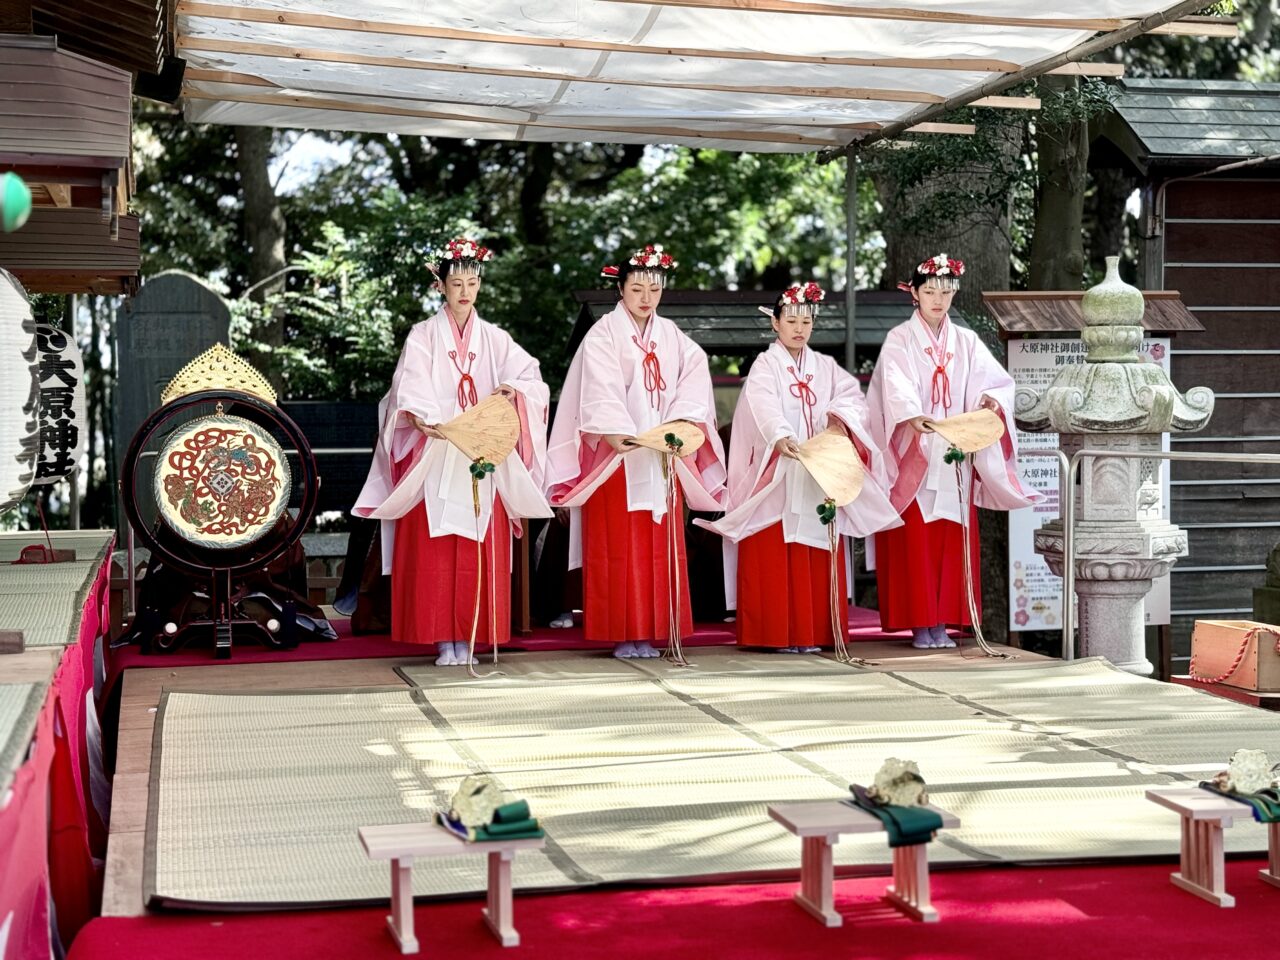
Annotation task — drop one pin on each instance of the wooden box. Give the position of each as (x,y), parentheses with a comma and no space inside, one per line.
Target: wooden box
(1217,644)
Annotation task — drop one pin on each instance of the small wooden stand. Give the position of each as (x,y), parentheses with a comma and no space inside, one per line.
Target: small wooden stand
(819,826)
(1204,815)
(401,843)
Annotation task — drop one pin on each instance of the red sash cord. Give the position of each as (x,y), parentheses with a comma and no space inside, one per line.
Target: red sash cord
(653,381)
(804,393)
(466,386)
(941,385)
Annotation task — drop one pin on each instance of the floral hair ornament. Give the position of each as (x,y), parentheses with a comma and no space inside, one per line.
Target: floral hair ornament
(460,255)
(799,299)
(651,261)
(939,273)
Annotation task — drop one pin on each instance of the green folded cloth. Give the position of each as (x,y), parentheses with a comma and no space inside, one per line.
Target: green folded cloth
(516,826)
(906,826)
(512,812)
(1265,803)
(527,829)
(491,832)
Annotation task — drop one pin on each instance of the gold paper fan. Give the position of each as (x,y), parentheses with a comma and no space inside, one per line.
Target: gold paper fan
(971,431)
(833,462)
(490,430)
(655,439)
(218,369)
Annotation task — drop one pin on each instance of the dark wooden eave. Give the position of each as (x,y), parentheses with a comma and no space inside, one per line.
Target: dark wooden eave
(130,34)
(1043,312)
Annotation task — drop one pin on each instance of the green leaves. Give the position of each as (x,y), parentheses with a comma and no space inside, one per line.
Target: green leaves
(673,442)
(481,468)
(953,455)
(827,511)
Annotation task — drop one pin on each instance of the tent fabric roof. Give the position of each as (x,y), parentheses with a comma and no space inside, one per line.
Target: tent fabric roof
(1202,119)
(762,75)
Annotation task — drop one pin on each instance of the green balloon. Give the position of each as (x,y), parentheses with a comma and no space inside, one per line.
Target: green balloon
(15,202)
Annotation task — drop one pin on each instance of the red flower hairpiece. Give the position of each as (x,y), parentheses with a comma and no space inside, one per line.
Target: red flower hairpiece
(942,266)
(651,256)
(803,293)
(461,248)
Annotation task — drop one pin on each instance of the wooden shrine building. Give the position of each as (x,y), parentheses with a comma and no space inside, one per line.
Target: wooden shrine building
(1213,235)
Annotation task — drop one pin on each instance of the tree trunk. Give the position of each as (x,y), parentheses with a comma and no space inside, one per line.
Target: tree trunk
(264,229)
(1057,245)
(981,239)
(1106,221)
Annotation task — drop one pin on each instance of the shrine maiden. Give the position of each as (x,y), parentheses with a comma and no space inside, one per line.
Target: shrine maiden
(783,557)
(420,484)
(930,369)
(633,371)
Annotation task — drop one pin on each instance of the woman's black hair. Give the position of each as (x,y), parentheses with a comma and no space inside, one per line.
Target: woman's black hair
(919,279)
(777,308)
(446,267)
(626,268)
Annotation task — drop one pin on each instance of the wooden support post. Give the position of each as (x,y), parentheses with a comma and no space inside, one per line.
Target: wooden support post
(816,896)
(1272,874)
(401,919)
(498,914)
(1202,862)
(910,890)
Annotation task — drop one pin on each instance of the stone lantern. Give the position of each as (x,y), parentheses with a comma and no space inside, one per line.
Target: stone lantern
(1114,401)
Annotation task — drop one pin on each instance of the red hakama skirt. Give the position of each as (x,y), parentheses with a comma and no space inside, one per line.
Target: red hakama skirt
(624,568)
(433,582)
(784,592)
(918,572)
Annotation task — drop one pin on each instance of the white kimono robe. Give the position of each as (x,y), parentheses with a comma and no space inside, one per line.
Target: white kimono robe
(622,382)
(919,374)
(439,374)
(785,397)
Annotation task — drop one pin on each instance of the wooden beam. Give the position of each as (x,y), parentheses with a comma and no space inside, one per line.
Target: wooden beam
(1200,27)
(338,56)
(963,129)
(345,106)
(59,193)
(1112,70)
(220,11)
(1076,54)
(1008,103)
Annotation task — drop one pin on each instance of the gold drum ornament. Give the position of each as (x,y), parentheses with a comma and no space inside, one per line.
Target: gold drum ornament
(222,481)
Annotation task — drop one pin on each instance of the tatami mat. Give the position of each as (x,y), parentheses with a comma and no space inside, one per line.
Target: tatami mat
(642,771)
(19,704)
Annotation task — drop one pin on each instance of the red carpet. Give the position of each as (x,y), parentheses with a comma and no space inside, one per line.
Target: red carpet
(863,625)
(1103,913)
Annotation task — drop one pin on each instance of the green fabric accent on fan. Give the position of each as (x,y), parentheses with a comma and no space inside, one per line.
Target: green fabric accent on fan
(1265,803)
(906,826)
(513,812)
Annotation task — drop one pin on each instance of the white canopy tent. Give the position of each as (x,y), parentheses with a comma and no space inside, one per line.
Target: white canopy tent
(763,75)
